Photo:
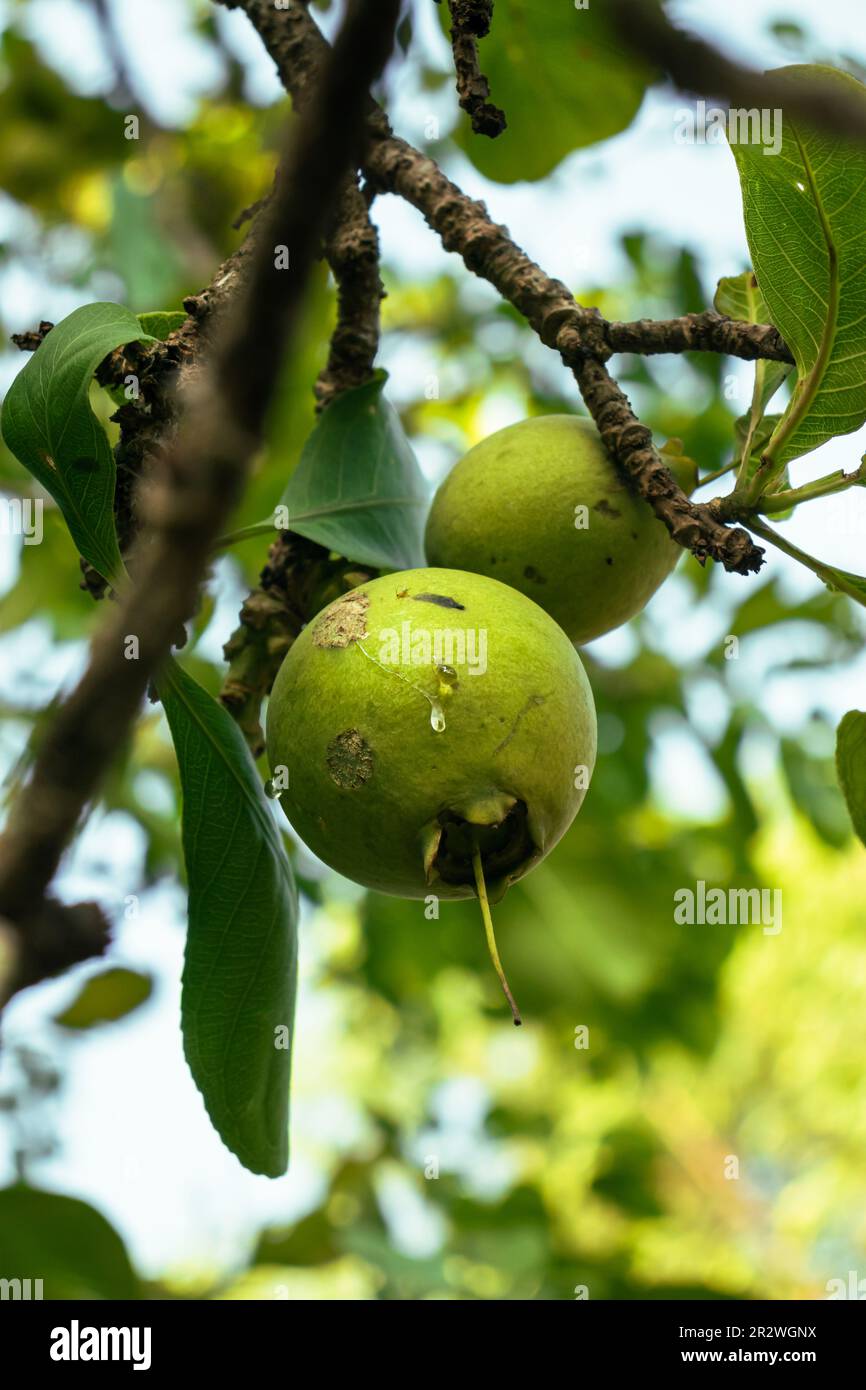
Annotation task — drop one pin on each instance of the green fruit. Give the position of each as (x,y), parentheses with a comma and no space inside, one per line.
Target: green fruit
(541,506)
(436,732)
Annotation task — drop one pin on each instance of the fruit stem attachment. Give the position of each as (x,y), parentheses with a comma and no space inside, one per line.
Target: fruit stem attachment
(481,888)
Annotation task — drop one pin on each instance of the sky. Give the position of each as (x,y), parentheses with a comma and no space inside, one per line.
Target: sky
(127,1091)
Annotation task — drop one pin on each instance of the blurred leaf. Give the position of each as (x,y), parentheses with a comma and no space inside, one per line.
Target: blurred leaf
(815,792)
(240,968)
(50,427)
(105,998)
(38,594)
(358,489)
(49,136)
(591,87)
(787,31)
(804,212)
(626,1172)
(138,248)
(851,767)
(64,1242)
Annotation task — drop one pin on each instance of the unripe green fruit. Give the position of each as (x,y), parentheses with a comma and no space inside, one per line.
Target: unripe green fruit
(540,506)
(425,712)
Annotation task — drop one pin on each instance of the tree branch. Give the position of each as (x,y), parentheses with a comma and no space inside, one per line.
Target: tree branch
(579,335)
(296,45)
(352,252)
(299,577)
(198,476)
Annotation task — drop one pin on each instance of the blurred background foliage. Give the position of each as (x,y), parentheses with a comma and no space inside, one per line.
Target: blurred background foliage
(437,1153)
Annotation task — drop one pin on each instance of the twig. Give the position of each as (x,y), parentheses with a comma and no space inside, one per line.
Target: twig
(470,21)
(691,524)
(196,481)
(704,332)
(719,473)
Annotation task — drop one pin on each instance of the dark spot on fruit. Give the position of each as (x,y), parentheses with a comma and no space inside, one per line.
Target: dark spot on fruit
(634,535)
(493,559)
(441,599)
(606,509)
(343,622)
(350,760)
(532,573)
(608,560)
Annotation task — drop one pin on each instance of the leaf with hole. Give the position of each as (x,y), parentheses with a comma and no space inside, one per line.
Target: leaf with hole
(50,427)
(240,968)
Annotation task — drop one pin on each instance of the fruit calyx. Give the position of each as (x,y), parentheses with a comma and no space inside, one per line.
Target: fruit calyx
(498,825)
(489,839)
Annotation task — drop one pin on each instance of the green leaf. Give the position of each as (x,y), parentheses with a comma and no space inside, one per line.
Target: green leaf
(815,792)
(358,489)
(50,428)
(161,322)
(65,1243)
(851,767)
(591,87)
(240,969)
(739,297)
(804,210)
(105,998)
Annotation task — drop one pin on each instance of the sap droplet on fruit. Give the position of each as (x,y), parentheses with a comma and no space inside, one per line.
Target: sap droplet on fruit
(437,718)
(447,680)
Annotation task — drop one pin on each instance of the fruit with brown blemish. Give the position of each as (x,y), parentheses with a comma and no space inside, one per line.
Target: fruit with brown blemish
(438,731)
(539,505)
